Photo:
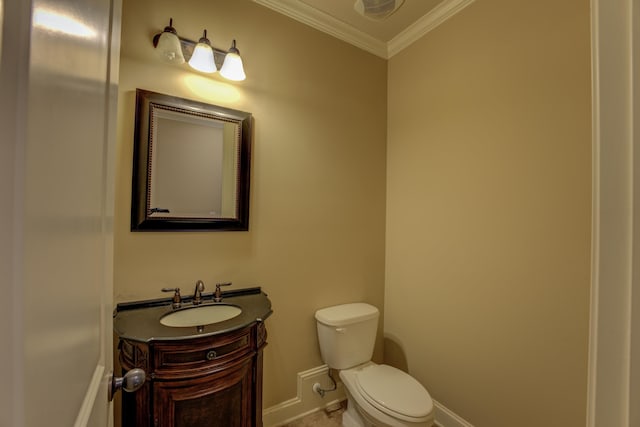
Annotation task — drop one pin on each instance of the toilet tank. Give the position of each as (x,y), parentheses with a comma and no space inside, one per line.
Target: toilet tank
(347,334)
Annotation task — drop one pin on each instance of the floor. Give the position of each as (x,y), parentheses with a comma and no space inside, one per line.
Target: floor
(321,419)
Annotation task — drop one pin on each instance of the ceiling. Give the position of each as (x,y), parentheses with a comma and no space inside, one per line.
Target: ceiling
(384,38)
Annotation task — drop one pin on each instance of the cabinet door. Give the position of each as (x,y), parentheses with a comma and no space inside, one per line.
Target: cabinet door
(218,400)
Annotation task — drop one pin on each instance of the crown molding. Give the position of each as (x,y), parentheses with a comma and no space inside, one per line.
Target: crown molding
(326,23)
(428,22)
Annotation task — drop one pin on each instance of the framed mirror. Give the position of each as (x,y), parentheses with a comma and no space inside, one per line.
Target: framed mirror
(191,164)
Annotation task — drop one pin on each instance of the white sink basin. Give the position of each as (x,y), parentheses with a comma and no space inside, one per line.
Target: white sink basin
(200,315)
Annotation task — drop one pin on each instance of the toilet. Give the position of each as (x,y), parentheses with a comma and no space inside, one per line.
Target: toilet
(377,395)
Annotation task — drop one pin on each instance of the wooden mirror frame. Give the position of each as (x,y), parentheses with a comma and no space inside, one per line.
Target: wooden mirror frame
(141,219)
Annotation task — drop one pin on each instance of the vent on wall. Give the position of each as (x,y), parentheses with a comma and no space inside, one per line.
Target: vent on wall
(377,9)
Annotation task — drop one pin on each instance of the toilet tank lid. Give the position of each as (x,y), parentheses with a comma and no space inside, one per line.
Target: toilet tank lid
(340,315)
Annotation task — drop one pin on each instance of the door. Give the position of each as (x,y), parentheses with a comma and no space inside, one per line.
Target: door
(59,62)
(614,357)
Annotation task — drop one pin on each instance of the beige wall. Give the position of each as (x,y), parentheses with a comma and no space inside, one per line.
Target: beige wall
(317,220)
(488,212)
(488,195)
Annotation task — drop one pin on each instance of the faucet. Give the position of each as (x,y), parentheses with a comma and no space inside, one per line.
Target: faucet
(197,293)
(177,300)
(218,295)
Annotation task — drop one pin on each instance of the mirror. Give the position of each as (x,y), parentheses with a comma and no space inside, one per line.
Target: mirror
(191,165)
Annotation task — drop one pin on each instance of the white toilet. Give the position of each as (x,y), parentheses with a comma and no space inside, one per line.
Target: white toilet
(378,395)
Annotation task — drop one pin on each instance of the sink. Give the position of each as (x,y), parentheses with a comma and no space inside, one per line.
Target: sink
(200,315)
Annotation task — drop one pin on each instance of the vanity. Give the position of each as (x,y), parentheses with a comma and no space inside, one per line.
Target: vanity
(207,374)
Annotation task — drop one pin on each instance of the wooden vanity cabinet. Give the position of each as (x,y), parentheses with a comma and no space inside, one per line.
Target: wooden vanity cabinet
(212,381)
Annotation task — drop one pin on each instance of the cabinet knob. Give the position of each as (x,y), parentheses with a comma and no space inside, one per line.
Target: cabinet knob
(211,354)
(130,382)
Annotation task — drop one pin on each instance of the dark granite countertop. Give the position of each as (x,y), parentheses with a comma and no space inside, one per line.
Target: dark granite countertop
(140,320)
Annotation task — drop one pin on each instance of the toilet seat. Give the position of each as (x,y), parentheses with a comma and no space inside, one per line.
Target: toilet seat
(394,392)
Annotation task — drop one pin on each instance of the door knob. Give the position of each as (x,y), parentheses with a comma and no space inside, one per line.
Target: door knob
(131,381)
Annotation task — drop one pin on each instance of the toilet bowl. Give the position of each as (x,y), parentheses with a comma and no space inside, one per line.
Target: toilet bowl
(383,396)
(377,395)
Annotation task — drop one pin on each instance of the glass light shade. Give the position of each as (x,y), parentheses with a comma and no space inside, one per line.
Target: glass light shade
(169,48)
(202,58)
(232,68)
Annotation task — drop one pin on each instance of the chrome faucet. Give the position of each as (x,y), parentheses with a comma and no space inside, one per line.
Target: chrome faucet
(197,294)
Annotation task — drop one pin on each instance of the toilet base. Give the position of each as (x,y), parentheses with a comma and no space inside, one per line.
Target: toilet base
(351,418)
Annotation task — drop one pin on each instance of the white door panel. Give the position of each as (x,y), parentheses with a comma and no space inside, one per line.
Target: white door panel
(58,54)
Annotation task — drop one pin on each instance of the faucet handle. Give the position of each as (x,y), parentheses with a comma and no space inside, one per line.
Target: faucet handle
(177,300)
(218,295)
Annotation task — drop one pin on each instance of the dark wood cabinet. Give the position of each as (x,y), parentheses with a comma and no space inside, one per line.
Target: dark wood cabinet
(213,381)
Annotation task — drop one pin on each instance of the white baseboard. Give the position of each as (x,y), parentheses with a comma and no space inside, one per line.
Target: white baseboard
(306,401)
(95,386)
(447,418)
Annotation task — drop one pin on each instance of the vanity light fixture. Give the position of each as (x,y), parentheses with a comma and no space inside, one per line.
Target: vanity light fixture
(232,68)
(201,56)
(168,45)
